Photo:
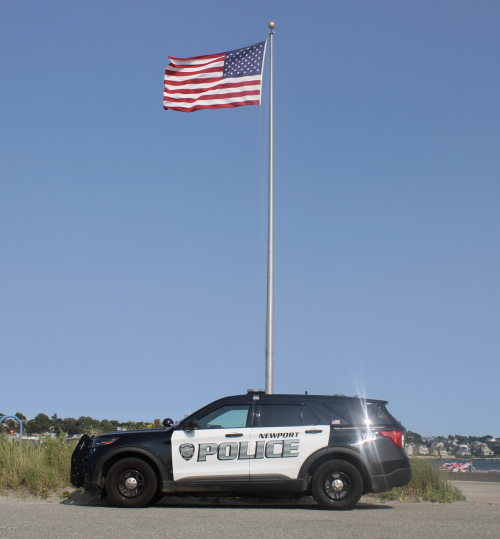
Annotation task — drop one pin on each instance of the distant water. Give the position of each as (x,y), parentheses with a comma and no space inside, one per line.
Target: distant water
(480,465)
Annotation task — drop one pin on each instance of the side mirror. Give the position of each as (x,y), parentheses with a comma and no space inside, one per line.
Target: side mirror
(168,422)
(192,425)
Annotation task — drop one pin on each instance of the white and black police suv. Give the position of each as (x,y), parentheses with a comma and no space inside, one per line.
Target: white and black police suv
(334,448)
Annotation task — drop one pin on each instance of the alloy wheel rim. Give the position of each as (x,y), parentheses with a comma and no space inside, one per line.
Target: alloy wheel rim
(131,483)
(337,485)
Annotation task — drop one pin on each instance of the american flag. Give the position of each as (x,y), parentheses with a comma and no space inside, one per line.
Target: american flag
(217,81)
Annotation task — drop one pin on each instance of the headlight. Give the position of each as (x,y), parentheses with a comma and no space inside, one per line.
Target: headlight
(103,441)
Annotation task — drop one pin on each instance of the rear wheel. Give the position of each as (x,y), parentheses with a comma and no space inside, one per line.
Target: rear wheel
(131,482)
(337,485)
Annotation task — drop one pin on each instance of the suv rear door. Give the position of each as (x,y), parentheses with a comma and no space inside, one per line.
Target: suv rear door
(284,435)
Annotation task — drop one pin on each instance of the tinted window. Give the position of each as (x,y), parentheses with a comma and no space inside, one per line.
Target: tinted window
(280,415)
(308,417)
(226,417)
(384,415)
(358,413)
(333,417)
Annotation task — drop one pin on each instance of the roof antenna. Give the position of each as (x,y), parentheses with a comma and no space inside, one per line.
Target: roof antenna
(306,393)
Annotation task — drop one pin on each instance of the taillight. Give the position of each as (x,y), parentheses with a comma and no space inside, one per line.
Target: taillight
(397,436)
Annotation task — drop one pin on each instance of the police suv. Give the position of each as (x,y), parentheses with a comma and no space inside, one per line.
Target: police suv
(334,448)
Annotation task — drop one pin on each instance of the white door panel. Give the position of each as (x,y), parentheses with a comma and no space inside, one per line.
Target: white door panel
(283,450)
(214,453)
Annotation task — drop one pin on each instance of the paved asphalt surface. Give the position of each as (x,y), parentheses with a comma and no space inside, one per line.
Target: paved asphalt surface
(477,491)
(392,520)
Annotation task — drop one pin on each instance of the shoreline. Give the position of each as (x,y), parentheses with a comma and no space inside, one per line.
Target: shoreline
(467,459)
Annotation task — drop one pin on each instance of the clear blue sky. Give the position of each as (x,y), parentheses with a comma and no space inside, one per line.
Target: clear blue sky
(132,246)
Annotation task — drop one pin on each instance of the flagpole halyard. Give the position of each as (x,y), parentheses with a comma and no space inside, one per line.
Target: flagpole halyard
(270,242)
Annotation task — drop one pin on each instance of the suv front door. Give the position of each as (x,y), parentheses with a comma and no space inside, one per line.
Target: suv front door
(213,451)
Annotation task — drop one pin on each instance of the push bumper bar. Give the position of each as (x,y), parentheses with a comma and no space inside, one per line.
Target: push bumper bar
(78,459)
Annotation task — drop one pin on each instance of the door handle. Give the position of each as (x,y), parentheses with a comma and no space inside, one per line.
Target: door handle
(314,431)
(234,435)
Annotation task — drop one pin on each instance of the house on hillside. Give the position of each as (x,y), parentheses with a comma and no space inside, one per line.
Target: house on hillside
(409,449)
(437,445)
(439,450)
(464,450)
(476,446)
(486,451)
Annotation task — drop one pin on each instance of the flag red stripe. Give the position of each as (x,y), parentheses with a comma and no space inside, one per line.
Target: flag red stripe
(192,81)
(211,97)
(193,73)
(195,66)
(224,106)
(216,87)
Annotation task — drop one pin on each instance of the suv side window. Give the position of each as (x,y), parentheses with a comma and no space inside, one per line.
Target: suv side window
(231,416)
(309,417)
(286,415)
(333,417)
(280,415)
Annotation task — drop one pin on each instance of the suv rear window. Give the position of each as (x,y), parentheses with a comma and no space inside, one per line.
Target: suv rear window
(357,413)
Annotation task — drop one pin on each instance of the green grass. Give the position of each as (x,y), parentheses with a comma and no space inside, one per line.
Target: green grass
(428,483)
(41,468)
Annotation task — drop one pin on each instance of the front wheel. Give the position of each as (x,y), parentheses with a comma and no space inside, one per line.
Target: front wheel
(337,484)
(131,483)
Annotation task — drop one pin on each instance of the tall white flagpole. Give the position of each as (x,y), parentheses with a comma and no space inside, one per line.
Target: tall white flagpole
(270,238)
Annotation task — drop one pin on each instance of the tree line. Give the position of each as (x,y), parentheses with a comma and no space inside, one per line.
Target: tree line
(83,425)
(415,438)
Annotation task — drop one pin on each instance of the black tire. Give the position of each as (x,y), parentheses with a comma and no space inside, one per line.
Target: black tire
(131,482)
(346,491)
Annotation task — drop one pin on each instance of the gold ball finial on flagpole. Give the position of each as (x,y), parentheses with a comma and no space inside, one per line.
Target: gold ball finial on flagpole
(271,25)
